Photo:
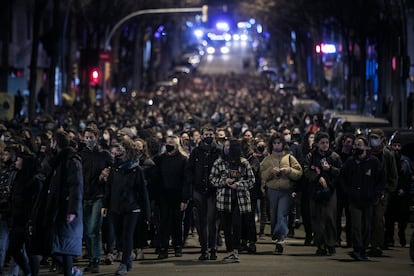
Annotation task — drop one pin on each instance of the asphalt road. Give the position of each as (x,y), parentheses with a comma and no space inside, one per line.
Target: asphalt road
(296,260)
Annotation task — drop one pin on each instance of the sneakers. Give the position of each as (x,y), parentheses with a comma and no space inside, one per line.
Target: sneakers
(93,267)
(204,257)
(375,252)
(321,252)
(278,249)
(178,252)
(232,258)
(76,271)
(139,254)
(251,249)
(122,270)
(355,255)
(163,254)
(308,241)
(331,251)
(109,259)
(213,254)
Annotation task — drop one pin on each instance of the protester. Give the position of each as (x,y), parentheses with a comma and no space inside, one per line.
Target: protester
(322,168)
(233,177)
(94,161)
(377,143)
(204,194)
(127,198)
(278,171)
(362,179)
(174,192)
(63,220)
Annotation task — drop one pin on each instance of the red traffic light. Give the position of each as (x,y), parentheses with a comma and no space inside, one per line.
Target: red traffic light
(94,77)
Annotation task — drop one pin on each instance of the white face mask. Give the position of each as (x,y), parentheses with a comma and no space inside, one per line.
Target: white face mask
(375,142)
(288,138)
(106,136)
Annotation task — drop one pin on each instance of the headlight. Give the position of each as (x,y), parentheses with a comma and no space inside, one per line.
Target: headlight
(224,50)
(210,50)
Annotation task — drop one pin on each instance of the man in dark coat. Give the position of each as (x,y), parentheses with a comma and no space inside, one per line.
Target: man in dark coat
(64,203)
(204,194)
(94,162)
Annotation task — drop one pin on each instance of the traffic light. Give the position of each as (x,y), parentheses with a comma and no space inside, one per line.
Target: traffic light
(204,13)
(94,76)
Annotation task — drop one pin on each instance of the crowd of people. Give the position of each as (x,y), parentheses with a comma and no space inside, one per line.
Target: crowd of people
(218,154)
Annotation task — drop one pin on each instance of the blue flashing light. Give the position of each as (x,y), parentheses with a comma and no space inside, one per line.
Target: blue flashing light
(222,26)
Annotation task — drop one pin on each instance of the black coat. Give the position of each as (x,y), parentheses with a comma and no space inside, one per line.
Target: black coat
(65,196)
(127,190)
(171,180)
(363,180)
(93,162)
(199,167)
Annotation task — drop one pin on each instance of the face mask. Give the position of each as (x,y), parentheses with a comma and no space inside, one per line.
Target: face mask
(347,147)
(358,152)
(296,137)
(169,148)
(90,143)
(307,121)
(106,136)
(82,125)
(397,154)
(375,142)
(226,150)
(208,140)
(261,149)
(288,138)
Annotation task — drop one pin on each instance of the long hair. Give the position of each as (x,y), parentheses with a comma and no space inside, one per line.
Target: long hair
(131,149)
(177,142)
(235,152)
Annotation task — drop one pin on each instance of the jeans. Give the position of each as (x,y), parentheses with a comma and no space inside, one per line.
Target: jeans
(361,226)
(124,225)
(206,219)
(92,223)
(279,202)
(4,242)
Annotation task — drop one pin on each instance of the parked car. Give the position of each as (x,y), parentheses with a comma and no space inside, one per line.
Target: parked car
(353,122)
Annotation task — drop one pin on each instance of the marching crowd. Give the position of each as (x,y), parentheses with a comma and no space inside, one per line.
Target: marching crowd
(216,155)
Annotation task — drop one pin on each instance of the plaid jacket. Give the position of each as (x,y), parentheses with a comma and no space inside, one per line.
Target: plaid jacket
(220,172)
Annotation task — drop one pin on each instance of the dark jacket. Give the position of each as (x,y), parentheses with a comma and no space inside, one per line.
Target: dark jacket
(127,191)
(65,196)
(7,175)
(199,167)
(93,162)
(171,179)
(363,180)
(313,172)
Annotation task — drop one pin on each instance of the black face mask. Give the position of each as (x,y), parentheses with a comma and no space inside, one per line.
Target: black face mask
(208,140)
(358,152)
(261,149)
(397,154)
(296,137)
(169,148)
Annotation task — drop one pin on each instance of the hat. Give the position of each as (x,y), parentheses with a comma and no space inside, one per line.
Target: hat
(126,131)
(377,132)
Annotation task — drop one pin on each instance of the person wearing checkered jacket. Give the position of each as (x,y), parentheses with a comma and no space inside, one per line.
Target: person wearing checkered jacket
(233,177)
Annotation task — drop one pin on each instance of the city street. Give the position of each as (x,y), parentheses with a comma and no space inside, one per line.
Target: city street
(297,260)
